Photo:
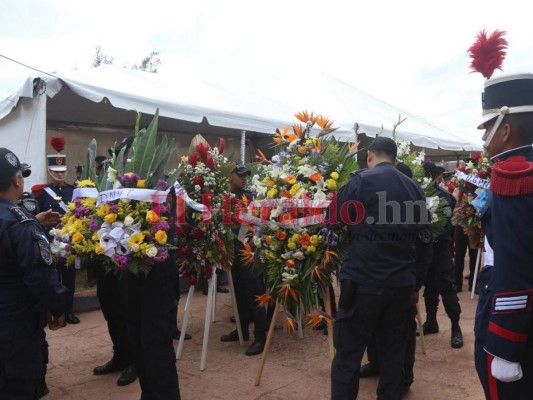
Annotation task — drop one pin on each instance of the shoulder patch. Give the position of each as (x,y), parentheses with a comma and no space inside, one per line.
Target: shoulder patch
(20,214)
(425,236)
(44,247)
(512,177)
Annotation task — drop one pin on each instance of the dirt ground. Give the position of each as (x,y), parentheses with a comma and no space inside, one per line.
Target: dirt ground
(295,368)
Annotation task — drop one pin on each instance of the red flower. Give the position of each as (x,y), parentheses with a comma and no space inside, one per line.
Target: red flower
(481,175)
(193,159)
(210,163)
(184,251)
(196,233)
(462,169)
(198,180)
(476,156)
(180,231)
(192,280)
(202,150)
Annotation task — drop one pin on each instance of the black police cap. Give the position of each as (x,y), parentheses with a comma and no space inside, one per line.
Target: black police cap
(10,165)
(241,170)
(386,145)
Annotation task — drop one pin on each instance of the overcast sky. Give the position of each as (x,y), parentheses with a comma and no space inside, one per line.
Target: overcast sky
(411,54)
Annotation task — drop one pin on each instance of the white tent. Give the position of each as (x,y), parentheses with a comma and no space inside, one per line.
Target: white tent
(106,96)
(348,106)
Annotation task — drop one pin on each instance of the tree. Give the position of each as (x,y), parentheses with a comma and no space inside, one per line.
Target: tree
(100,58)
(150,63)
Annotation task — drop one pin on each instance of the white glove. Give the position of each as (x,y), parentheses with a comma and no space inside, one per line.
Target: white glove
(506,371)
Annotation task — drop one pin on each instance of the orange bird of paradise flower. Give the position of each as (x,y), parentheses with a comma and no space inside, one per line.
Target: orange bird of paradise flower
(305,117)
(298,129)
(263,300)
(316,318)
(247,255)
(324,122)
(288,322)
(261,158)
(286,290)
(353,147)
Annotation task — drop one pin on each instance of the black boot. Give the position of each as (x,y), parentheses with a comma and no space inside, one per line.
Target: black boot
(369,369)
(128,375)
(457,336)
(256,347)
(111,366)
(430,326)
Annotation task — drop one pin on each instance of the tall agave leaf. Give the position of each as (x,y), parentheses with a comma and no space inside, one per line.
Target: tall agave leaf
(160,160)
(144,148)
(89,169)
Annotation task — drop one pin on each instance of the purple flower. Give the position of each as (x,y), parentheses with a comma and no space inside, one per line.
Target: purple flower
(81,212)
(159,208)
(93,225)
(113,209)
(162,255)
(160,226)
(161,185)
(121,262)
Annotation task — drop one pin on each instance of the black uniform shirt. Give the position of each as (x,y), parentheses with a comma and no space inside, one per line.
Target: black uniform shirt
(383,226)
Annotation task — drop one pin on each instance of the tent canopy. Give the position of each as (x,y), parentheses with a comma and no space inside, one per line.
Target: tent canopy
(106,97)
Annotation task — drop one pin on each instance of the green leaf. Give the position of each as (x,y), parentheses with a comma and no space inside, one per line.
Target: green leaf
(144,148)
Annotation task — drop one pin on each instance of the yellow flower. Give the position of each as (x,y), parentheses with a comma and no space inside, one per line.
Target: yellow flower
(294,189)
(334,175)
(77,237)
(110,218)
(102,210)
(272,193)
(141,183)
(331,184)
(98,249)
(292,180)
(295,238)
(86,183)
(314,239)
(161,237)
(152,217)
(95,236)
(71,206)
(291,245)
(310,249)
(136,239)
(88,202)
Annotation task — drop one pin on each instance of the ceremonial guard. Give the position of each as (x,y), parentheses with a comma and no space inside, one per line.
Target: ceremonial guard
(55,196)
(504,318)
(384,211)
(29,289)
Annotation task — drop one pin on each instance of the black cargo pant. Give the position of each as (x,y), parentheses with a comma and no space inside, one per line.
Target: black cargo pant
(440,279)
(386,314)
(111,292)
(152,319)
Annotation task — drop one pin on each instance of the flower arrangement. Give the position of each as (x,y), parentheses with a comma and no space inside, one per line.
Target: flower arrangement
(127,228)
(205,238)
(469,185)
(296,253)
(438,207)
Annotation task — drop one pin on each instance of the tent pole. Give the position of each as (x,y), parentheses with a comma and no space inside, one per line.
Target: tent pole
(243,146)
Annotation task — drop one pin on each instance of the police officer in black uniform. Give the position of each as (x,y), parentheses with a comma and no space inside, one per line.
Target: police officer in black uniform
(441,272)
(55,196)
(504,321)
(384,211)
(112,293)
(424,255)
(247,282)
(30,289)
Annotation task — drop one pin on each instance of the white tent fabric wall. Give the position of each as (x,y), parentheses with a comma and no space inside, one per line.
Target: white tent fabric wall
(22,131)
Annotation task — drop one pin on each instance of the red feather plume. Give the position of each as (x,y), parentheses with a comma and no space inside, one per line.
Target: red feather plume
(58,143)
(488,52)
